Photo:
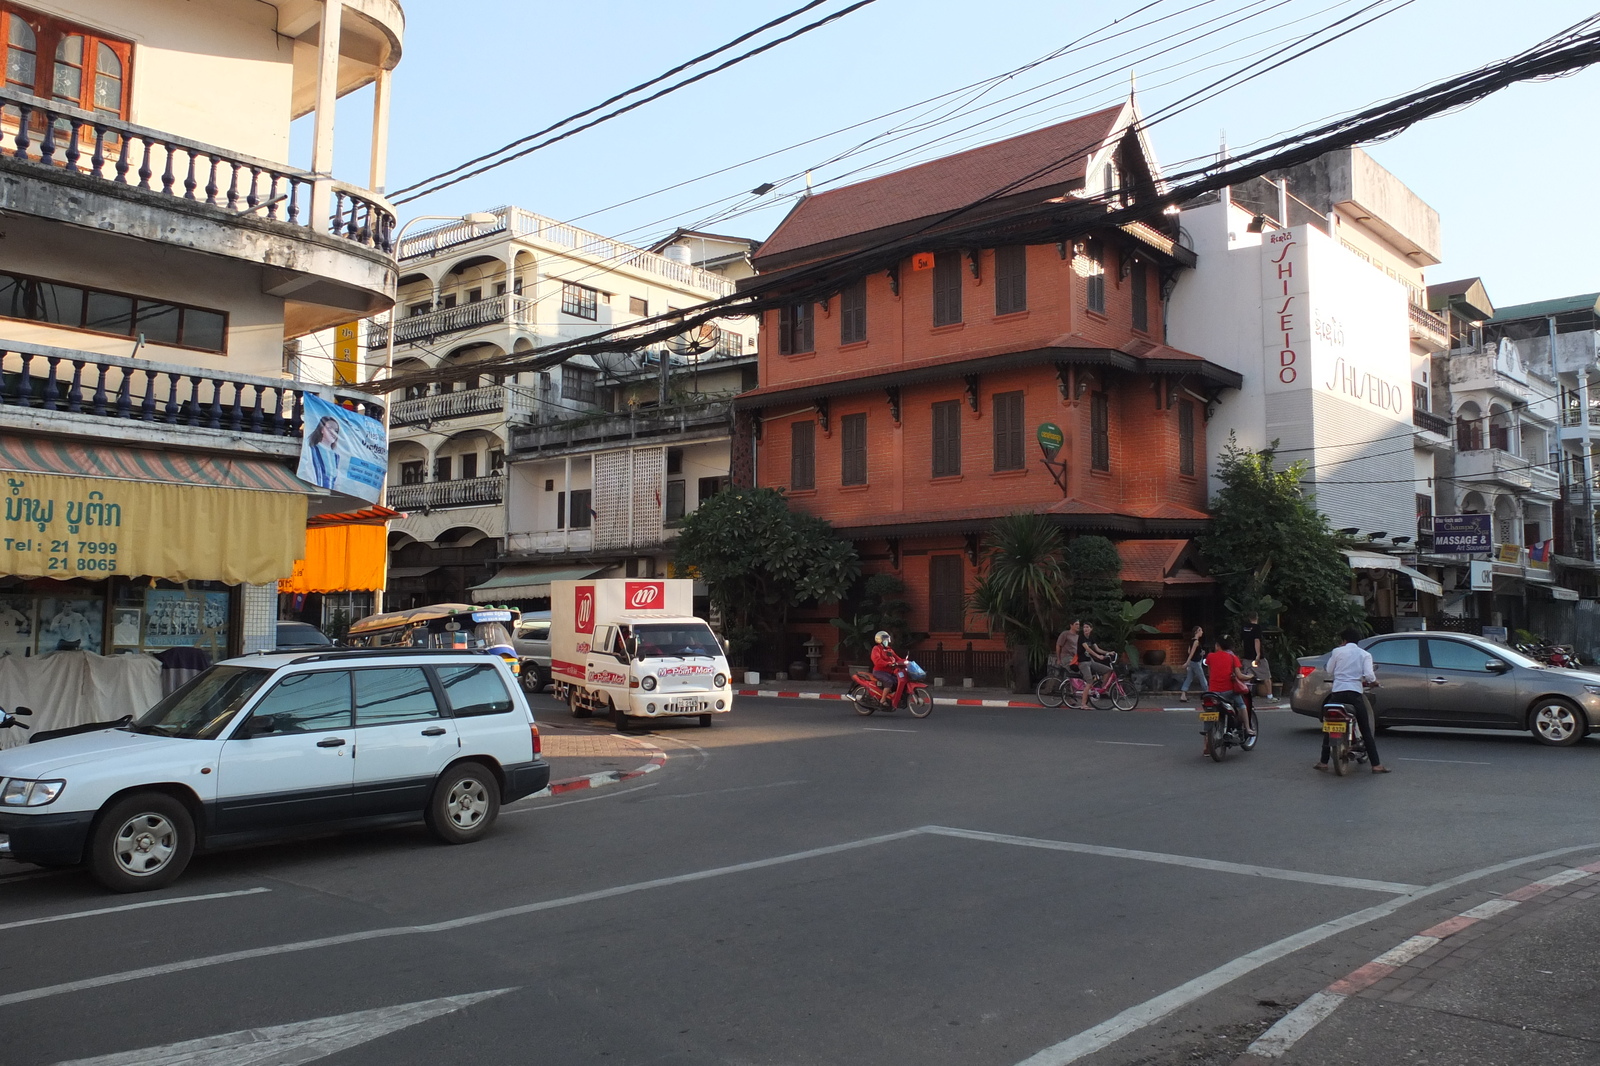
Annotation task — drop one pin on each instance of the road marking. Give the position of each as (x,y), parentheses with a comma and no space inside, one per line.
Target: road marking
(1453,762)
(1216,865)
(884,729)
(585,799)
(292,1044)
(1130,744)
(714,792)
(1153,1010)
(1297,1023)
(466,921)
(131,907)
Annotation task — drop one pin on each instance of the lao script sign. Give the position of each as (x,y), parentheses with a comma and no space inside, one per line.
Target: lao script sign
(1462,534)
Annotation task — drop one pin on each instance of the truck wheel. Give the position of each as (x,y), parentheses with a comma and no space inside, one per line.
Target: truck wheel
(575,701)
(618,719)
(141,842)
(705,721)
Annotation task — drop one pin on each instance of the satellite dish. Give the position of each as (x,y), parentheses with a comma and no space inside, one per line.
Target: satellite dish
(701,339)
(611,362)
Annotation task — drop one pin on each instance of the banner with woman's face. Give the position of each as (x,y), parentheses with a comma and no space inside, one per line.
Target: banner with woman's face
(342,451)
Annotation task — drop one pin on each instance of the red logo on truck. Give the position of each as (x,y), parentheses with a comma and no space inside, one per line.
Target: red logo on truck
(583,608)
(645,595)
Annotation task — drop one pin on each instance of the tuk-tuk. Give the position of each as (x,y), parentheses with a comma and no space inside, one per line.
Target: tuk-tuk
(441,625)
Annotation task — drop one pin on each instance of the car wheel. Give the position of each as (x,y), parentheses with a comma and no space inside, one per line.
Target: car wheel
(141,842)
(533,679)
(465,803)
(1557,722)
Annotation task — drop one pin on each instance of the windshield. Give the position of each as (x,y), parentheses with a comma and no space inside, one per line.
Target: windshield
(680,639)
(201,709)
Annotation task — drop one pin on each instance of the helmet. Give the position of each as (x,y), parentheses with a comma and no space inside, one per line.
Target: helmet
(882,637)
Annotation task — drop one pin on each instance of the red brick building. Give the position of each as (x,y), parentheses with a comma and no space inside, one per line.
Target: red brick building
(903,407)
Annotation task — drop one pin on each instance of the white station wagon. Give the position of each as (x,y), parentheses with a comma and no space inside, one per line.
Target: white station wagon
(270,745)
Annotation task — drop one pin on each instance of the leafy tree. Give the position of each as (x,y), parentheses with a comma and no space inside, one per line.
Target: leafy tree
(1095,593)
(758,558)
(881,606)
(1116,633)
(1273,552)
(1021,589)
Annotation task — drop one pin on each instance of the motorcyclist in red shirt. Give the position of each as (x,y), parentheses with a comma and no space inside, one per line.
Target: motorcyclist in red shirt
(888,667)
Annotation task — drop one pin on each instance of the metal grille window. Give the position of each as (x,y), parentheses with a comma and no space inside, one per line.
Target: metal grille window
(1094,280)
(1139,286)
(580,384)
(1186,438)
(946,594)
(947,438)
(803,455)
(853,450)
(1010,279)
(853,312)
(580,301)
(1100,431)
(1007,408)
(946,288)
(795,329)
(638,307)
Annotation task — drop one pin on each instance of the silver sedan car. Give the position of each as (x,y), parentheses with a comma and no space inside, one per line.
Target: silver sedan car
(1463,682)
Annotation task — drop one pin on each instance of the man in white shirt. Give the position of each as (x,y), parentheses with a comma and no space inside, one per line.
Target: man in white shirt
(1350,666)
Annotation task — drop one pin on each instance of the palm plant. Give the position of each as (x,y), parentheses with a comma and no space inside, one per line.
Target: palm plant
(1020,589)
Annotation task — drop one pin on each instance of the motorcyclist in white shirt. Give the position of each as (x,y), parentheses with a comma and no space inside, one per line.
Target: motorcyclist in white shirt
(1350,666)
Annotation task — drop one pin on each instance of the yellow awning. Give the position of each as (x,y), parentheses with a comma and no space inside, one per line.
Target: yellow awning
(347,558)
(66,527)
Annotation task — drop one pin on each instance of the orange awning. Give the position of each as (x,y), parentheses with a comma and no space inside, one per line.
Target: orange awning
(342,558)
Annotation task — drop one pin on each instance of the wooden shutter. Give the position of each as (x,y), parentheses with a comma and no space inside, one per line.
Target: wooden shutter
(1008,430)
(1139,283)
(853,450)
(802,455)
(1095,283)
(947,438)
(946,593)
(853,312)
(1010,279)
(946,288)
(786,330)
(1100,431)
(1186,438)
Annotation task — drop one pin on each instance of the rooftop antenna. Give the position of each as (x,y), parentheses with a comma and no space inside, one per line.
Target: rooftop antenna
(1222,162)
(808,183)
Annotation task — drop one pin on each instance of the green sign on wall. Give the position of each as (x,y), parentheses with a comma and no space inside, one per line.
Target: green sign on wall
(1050,439)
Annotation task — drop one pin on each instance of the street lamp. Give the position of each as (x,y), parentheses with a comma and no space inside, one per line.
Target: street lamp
(477,218)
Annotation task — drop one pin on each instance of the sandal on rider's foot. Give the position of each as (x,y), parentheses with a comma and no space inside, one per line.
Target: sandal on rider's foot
(1320,766)
(1380,769)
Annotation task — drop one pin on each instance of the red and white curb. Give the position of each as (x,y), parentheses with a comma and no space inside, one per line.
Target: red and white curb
(1288,1031)
(946,701)
(658,759)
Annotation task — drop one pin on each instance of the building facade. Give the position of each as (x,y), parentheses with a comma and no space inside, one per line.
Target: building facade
(905,407)
(159,252)
(476,291)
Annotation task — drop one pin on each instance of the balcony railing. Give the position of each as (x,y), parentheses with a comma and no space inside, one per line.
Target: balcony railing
(516,222)
(507,307)
(1429,325)
(37,377)
(432,495)
(1572,417)
(441,408)
(550,542)
(119,153)
(1504,468)
(637,423)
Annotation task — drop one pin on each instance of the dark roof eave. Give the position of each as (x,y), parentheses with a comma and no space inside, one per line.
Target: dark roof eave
(1218,375)
(1106,522)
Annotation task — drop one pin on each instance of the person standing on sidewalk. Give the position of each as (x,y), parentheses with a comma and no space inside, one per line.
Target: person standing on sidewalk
(1194,666)
(1253,650)
(1350,666)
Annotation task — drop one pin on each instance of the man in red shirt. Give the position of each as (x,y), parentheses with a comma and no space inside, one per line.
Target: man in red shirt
(1227,678)
(886,667)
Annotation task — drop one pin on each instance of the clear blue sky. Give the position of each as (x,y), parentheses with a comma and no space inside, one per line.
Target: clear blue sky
(1512,177)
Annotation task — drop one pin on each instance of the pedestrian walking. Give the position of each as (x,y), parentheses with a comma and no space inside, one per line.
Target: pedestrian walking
(1194,664)
(1253,650)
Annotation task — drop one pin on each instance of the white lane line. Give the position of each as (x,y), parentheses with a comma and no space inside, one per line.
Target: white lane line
(1297,1023)
(131,907)
(1491,908)
(884,729)
(1452,762)
(205,961)
(1130,743)
(293,1044)
(605,795)
(1153,1010)
(721,791)
(1215,865)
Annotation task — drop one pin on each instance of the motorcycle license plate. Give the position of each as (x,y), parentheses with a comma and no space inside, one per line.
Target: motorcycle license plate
(1336,728)
(1210,716)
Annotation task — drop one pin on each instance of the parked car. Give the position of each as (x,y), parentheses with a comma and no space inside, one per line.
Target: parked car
(267,746)
(1464,682)
(531,638)
(301,636)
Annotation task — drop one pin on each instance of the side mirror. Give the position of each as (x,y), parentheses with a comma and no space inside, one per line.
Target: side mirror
(1497,666)
(22,712)
(253,726)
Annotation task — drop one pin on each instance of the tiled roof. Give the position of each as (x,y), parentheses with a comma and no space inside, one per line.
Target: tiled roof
(1586,302)
(942,185)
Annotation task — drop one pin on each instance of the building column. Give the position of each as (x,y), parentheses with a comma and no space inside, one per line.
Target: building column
(327,103)
(380,132)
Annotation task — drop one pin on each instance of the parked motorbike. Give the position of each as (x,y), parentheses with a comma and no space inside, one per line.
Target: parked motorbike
(1345,746)
(1560,655)
(9,719)
(1219,723)
(870,696)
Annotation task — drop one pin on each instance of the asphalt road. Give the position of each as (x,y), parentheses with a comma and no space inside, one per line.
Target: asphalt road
(802,885)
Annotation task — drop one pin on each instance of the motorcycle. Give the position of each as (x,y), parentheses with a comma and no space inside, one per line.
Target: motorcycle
(1219,723)
(10,720)
(1345,745)
(869,695)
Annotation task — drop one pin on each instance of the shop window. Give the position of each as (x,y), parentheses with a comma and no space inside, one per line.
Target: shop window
(1008,430)
(152,620)
(946,593)
(853,312)
(853,450)
(795,323)
(947,438)
(86,70)
(118,314)
(580,301)
(1186,438)
(802,455)
(1100,432)
(946,288)
(1010,279)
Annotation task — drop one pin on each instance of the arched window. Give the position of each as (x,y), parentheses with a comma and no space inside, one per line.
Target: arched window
(22,53)
(83,68)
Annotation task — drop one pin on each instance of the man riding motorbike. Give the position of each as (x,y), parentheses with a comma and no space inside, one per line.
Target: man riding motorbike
(888,667)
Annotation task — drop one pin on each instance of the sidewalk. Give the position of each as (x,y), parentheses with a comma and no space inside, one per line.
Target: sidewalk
(956,696)
(583,756)
(1509,982)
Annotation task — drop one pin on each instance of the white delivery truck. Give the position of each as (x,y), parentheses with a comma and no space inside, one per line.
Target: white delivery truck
(631,648)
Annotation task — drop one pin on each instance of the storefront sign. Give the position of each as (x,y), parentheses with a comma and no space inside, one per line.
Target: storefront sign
(343,451)
(1461,534)
(344,353)
(1050,439)
(1509,553)
(69,527)
(1480,576)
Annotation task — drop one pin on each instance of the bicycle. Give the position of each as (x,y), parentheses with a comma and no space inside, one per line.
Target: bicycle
(1112,689)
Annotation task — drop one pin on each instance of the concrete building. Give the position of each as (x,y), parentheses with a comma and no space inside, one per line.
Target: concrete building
(475,291)
(159,252)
